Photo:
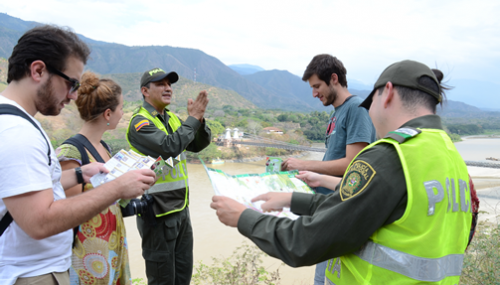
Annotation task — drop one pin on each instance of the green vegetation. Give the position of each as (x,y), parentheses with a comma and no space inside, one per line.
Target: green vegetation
(216,128)
(139,281)
(468,129)
(482,258)
(472,126)
(243,267)
(209,153)
(491,132)
(455,137)
(312,125)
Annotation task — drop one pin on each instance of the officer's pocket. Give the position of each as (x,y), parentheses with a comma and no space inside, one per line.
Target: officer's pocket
(164,242)
(171,229)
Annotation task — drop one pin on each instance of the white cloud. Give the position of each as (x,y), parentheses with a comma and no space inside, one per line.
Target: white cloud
(461,36)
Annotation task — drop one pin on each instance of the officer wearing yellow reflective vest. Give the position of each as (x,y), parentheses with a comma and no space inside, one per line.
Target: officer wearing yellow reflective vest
(153,130)
(402,213)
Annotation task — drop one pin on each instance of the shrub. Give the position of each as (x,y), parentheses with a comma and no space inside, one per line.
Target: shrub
(243,267)
(117,144)
(455,137)
(276,151)
(482,258)
(138,281)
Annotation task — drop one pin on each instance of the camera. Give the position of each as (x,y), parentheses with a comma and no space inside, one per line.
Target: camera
(142,207)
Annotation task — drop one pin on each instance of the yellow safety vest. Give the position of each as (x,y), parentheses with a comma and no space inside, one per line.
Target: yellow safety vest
(172,179)
(428,242)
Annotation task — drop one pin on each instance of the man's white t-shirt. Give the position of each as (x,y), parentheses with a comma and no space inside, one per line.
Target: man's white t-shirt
(24,168)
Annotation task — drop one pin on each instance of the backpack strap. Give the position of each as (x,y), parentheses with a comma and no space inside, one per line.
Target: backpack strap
(5,222)
(82,143)
(8,109)
(81,149)
(107,147)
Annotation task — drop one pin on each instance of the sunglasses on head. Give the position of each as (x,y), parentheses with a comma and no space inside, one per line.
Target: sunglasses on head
(75,84)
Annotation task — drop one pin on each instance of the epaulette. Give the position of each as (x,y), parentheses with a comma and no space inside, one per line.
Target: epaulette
(403,134)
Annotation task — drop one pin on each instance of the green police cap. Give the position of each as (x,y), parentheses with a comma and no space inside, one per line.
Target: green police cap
(406,73)
(157,74)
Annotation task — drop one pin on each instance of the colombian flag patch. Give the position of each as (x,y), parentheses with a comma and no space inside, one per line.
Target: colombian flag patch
(141,124)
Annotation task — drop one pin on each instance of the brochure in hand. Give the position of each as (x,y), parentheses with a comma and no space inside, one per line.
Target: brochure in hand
(244,187)
(124,161)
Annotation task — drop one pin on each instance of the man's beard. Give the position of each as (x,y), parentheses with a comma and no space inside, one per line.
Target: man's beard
(332,96)
(46,101)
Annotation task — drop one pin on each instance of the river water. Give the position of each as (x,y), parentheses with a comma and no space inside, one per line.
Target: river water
(213,239)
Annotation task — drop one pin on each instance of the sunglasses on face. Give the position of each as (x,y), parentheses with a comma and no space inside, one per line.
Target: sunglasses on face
(75,84)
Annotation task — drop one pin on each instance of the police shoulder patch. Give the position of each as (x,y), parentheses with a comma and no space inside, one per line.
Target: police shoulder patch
(403,134)
(359,175)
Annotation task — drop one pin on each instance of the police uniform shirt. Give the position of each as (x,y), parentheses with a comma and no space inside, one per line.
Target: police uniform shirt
(192,135)
(334,225)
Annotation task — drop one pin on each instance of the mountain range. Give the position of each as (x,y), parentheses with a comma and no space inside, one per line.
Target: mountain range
(111,58)
(245,69)
(251,85)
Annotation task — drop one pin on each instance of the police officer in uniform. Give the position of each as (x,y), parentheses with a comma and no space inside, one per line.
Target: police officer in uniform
(402,213)
(167,244)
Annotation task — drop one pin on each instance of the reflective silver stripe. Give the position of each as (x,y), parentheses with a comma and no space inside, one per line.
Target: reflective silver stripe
(330,282)
(183,155)
(419,268)
(169,186)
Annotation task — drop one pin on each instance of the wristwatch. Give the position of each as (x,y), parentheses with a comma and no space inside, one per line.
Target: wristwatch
(79,175)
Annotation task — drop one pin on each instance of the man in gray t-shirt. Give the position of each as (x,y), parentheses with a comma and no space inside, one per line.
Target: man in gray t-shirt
(349,125)
(349,130)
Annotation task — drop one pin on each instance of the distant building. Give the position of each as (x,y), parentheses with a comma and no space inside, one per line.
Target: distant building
(273,130)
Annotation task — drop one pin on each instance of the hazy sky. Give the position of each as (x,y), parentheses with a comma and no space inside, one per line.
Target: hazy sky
(460,37)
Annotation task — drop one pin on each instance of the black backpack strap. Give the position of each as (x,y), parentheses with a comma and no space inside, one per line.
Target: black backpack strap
(86,143)
(82,143)
(107,147)
(7,109)
(81,149)
(5,222)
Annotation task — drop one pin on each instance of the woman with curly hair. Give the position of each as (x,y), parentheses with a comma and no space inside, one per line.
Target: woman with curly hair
(100,247)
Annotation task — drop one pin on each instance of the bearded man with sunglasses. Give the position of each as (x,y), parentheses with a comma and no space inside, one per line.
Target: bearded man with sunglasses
(36,220)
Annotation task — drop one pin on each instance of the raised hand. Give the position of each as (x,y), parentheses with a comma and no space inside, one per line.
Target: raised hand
(197,108)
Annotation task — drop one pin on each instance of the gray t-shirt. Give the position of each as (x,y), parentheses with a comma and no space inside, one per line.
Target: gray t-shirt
(348,124)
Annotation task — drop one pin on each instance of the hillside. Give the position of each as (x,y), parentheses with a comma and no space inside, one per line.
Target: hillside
(183,90)
(287,85)
(245,69)
(455,109)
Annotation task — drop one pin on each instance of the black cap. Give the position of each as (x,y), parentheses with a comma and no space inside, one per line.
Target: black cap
(157,74)
(405,73)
